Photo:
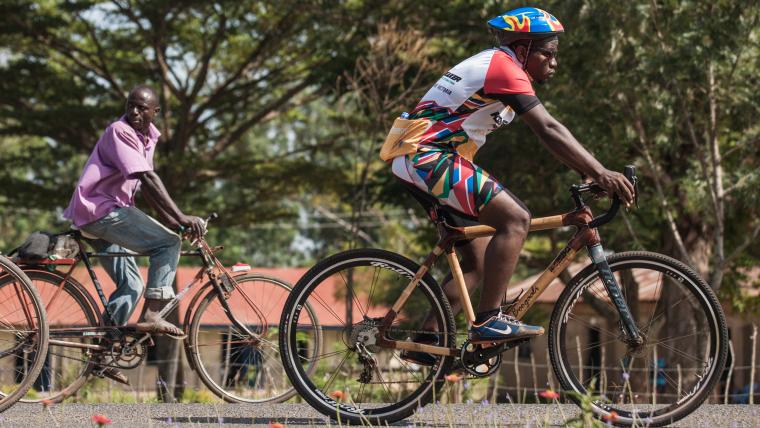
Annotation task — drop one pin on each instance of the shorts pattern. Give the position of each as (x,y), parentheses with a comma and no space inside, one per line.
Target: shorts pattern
(452,179)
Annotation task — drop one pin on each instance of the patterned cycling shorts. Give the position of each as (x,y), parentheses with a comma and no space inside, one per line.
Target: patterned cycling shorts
(453,180)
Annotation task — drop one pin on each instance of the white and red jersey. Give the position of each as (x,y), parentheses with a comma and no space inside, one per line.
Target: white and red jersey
(474,98)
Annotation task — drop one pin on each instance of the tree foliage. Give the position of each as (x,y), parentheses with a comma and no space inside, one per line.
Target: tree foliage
(273,112)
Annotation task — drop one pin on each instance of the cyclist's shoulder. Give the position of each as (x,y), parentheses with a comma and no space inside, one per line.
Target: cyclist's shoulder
(119,131)
(489,63)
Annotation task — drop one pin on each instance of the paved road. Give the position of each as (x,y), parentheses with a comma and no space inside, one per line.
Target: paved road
(301,415)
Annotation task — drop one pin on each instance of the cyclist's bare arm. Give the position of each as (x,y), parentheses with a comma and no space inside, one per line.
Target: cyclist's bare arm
(157,196)
(561,143)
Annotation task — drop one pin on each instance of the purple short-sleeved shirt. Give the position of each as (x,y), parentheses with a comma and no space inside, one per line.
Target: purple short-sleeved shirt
(109,176)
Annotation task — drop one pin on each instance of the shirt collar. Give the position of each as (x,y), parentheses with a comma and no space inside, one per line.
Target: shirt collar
(153,132)
(507,50)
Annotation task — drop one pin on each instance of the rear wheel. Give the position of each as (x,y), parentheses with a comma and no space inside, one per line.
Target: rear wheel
(23,334)
(68,305)
(233,365)
(684,331)
(356,380)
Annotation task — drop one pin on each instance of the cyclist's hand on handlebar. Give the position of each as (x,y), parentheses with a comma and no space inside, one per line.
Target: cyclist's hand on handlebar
(195,226)
(615,183)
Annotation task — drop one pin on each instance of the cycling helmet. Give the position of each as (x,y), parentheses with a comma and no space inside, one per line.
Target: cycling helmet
(525,23)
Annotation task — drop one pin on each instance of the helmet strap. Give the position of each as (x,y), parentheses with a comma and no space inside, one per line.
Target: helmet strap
(527,54)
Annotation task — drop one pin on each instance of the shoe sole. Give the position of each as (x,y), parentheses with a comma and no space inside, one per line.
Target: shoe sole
(480,340)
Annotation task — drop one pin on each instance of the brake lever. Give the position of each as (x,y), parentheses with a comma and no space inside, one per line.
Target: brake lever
(630,173)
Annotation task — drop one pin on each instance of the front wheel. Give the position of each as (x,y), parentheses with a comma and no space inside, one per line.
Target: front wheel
(249,371)
(684,347)
(357,380)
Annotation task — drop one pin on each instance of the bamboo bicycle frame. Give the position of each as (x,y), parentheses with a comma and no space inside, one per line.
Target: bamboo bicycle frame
(584,236)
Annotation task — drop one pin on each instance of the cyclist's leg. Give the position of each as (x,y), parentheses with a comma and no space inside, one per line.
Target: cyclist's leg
(125,274)
(132,229)
(511,220)
(460,184)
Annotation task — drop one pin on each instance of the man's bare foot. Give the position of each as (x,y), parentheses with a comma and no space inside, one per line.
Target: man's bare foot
(115,374)
(151,322)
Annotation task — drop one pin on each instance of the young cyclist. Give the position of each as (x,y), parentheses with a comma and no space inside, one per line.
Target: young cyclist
(432,150)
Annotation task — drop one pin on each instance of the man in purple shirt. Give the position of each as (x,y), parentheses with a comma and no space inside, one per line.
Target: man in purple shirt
(103,208)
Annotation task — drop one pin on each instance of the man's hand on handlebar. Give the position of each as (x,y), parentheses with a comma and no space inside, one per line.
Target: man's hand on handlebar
(615,183)
(195,227)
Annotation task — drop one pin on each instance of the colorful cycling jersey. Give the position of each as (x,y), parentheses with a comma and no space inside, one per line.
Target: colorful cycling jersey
(474,98)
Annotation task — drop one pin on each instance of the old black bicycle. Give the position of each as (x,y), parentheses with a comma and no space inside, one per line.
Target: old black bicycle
(230,327)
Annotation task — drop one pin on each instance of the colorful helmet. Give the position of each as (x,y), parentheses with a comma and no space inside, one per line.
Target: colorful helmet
(525,23)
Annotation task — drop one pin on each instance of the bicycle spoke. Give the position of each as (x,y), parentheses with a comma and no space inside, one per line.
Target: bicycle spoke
(681,353)
(589,325)
(407,366)
(672,338)
(323,356)
(375,277)
(353,293)
(336,372)
(385,387)
(656,303)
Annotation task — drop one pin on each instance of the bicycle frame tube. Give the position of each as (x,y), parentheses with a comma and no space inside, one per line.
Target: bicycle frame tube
(208,261)
(449,235)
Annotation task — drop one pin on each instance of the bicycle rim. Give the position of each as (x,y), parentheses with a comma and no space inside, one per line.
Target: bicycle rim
(66,369)
(232,364)
(351,292)
(682,325)
(23,334)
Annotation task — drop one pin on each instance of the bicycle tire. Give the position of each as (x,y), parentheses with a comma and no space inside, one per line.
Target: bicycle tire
(37,350)
(266,385)
(73,308)
(634,407)
(385,264)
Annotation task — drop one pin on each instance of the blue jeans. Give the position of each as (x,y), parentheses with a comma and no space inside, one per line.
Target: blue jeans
(128,228)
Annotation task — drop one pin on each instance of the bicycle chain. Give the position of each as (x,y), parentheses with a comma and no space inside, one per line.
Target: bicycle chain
(436,333)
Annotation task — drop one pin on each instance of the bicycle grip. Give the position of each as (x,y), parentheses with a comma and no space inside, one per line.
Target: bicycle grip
(630,173)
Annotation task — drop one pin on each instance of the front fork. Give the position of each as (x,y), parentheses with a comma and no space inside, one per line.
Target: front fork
(596,252)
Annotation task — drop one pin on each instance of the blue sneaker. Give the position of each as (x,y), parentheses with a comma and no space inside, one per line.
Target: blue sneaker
(502,327)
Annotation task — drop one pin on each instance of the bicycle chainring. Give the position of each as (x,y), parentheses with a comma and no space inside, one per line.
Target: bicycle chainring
(477,361)
(128,352)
